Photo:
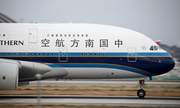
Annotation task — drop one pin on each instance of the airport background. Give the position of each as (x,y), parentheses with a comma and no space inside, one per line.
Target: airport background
(160,17)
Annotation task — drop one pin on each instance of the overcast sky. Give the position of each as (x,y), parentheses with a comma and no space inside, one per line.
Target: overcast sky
(157,19)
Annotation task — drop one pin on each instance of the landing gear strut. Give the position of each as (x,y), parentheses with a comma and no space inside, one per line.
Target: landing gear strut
(141,93)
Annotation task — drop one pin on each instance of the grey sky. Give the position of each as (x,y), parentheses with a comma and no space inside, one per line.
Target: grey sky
(157,19)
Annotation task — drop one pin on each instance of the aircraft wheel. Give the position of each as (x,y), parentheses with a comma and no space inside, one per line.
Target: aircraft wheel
(141,93)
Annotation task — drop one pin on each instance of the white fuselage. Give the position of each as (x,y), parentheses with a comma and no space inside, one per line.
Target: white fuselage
(82,50)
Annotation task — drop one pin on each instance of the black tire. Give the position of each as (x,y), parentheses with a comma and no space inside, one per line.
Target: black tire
(141,93)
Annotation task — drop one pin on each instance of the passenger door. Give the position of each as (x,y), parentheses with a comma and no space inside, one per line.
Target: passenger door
(131,55)
(33,35)
(63,54)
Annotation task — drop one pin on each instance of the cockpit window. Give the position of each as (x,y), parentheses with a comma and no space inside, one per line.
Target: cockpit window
(155,48)
(151,48)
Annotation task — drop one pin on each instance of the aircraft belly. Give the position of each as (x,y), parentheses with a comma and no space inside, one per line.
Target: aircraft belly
(99,73)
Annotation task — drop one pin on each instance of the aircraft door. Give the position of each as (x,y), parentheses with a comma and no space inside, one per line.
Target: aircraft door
(63,55)
(132,55)
(33,35)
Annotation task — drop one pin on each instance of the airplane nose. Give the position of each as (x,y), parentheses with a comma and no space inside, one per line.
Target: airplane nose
(162,65)
(170,63)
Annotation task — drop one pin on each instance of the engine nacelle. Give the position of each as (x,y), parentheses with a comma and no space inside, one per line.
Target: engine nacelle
(9,73)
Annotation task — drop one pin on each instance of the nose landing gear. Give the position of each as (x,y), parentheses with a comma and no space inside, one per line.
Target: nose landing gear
(141,93)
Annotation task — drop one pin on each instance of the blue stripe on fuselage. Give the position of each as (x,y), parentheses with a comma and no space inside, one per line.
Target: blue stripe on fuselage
(146,64)
(42,54)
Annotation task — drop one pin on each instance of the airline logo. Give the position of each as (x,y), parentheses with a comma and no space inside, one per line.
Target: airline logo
(11,42)
(75,43)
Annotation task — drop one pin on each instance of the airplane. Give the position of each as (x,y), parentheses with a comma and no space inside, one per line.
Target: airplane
(77,51)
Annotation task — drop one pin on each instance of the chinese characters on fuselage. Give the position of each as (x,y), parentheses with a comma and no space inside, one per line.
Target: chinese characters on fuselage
(59,43)
(75,43)
(89,43)
(45,42)
(103,42)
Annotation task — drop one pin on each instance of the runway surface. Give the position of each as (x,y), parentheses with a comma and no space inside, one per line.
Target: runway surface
(90,100)
(103,83)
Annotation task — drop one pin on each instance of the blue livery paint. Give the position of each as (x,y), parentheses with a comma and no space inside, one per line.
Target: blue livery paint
(149,54)
(147,63)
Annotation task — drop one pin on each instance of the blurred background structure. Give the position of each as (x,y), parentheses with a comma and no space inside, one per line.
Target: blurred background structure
(157,19)
(6,19)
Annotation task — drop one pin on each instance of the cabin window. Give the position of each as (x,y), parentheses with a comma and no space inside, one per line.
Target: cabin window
(56,35)
(4,35)
(52,35)
(86,35)
(3,77)
(61,35)
(65,35)
(47,34)
(69,35)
